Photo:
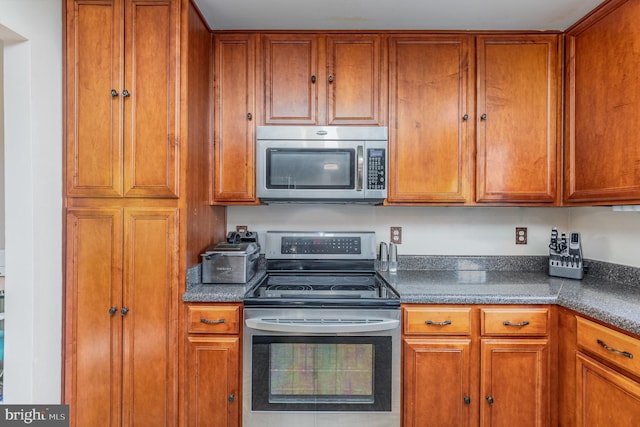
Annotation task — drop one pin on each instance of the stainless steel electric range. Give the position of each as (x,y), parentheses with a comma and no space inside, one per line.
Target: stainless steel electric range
(321,335)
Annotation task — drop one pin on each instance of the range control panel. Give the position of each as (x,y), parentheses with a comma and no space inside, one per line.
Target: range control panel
(320,245)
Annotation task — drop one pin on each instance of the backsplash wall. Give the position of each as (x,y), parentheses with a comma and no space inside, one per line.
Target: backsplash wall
(607,236)
(425,230)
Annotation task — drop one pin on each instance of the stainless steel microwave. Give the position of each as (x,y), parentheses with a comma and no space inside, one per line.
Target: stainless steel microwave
(331,164)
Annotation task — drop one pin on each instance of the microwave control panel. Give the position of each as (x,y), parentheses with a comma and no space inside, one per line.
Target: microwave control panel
(376,165)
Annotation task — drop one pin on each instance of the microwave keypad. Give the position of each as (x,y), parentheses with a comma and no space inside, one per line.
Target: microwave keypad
(376,168)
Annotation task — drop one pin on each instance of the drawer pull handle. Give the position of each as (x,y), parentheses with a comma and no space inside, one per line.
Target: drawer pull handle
(613,350)
(431,322)
(211,322)
(523,323)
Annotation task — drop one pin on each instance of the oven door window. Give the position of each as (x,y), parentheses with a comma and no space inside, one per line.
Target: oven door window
(321,373)
(310,168)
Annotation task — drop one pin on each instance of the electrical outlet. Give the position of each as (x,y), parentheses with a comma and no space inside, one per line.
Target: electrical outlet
(396,235)
(521,235)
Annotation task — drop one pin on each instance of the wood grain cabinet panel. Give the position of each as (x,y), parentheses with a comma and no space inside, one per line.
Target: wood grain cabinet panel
(518,146)
(605,397)
(437,382)
(603,98)
(121,82)
(313,79)
(520,321)
(291,79)
(121,282)
(515,382)
(233,168)
(353,93)
(214,365)
(430,111)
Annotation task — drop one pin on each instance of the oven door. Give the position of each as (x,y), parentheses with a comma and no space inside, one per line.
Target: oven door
(302,368)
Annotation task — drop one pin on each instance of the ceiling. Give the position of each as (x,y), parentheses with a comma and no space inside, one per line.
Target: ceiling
(393,14)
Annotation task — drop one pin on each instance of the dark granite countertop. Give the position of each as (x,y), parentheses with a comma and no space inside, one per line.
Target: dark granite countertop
(605,295)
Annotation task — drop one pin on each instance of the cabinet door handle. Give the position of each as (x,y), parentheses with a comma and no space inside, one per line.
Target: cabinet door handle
(465,117)
(330,79)
(114,93)
(211,322)
(112,311)
(431,322)
(124,311)
(126,93)
(489,399)
(313,79)
(231,398)
(467,400)
(249,116)
(523,323)
(483,117)
(613,350)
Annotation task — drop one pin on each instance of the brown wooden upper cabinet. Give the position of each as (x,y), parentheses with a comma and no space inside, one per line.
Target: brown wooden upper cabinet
(233,171)
(518,111)
(433,122)
(312,79)
(603,99)
(121,74)
(430,115)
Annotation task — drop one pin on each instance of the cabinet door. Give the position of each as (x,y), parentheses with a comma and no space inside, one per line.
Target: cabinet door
(429,159)
(233,151)
(604,396)
(514,382)
(94,44)
(437,382)
(213,381)
(93,323)
(151,149)
(292,80)
(150,294)
(518,112)
(602,154)
(353,80)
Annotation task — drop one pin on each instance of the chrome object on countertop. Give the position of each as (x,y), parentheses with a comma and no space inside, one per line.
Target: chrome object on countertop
(232,261)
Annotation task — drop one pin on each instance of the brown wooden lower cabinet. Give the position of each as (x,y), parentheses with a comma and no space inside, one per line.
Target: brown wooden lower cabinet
(476,365)
(213,371)
(515,382)
(437,386)
(605,396)
(121,367)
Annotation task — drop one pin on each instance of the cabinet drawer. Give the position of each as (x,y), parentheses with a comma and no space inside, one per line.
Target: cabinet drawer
(613,346)
(437,320)
(521,321)
(214,319)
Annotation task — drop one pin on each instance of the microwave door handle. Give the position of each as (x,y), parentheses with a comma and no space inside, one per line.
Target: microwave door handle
(360,167)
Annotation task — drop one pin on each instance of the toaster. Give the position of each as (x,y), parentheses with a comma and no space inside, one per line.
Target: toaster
(230,262)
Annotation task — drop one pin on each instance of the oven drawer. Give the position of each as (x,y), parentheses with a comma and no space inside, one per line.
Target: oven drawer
(521,321)
(437,320)
(613,346)
(222,319)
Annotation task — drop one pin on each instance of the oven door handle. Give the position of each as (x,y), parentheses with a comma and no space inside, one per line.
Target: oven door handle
(322,326)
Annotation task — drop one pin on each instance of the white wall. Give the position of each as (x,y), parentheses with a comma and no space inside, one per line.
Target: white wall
(426,230)
(607,235)
(2,228)
(32,34)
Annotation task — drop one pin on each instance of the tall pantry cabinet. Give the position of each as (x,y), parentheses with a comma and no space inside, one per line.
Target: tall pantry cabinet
(127,139)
